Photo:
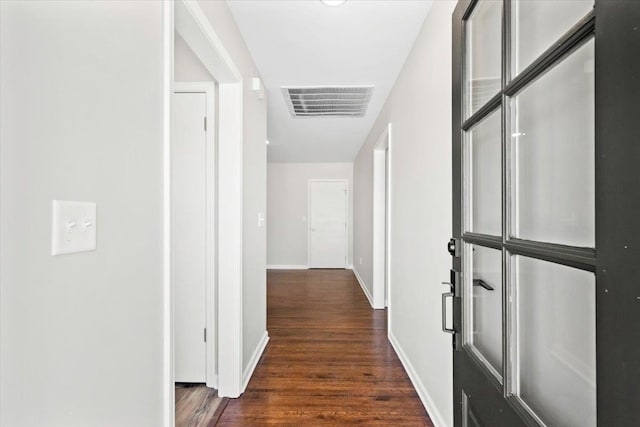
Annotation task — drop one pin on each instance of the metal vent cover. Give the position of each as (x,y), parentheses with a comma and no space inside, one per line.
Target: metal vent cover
(328,101)
(482,90)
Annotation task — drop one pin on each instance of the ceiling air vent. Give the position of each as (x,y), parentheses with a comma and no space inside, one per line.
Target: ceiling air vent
(336,101)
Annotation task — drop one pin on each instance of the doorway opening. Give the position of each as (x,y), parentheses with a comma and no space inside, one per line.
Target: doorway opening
(381,219)
(223,205)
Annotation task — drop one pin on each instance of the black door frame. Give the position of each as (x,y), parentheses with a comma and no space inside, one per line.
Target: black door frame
(616,261)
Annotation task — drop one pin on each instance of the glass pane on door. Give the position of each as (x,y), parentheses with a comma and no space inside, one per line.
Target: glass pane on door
(538,24)
(556,341)
(484,286)
(483,57)
(483,154)
(552,154)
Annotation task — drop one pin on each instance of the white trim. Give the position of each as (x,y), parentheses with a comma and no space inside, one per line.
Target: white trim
(253,362)
(363,286)
(195,28)
(205,87)
(425,397)
(167,286)
(287,267)
(230,241)
(380,239)
(211,306)
(389,226)
(346,205)
(1,249)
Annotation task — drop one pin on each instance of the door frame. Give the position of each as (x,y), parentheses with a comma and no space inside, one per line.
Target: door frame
(168,394)
(186,17)
(381,218)
(346,207)
(211,285)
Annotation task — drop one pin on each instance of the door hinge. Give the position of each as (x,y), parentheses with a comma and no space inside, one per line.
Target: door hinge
(205,334)
(205,124)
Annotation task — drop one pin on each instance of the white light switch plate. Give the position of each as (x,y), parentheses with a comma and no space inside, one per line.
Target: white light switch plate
(73,227)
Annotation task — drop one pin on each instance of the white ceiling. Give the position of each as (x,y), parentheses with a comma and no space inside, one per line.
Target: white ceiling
(306,43)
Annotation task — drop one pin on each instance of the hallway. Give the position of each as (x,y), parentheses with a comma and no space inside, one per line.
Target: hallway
(328,362)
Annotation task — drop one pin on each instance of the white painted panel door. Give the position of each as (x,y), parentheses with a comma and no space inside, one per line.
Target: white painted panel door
(188,192)
(328,224)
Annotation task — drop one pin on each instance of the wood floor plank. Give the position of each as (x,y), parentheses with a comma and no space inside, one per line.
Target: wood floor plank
(196,405)
(329,361)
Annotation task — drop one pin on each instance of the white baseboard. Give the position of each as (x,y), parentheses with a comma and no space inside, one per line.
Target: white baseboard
(427,401)
(364,288)
(350,267)
(287,267)
(255,358)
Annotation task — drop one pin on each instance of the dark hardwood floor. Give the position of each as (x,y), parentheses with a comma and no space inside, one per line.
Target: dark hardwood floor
(328,361)
(197,405)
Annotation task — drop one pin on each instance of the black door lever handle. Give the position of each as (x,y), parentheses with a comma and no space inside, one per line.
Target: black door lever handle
(482,284)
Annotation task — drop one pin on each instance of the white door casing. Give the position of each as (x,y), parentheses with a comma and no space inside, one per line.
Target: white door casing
(381,218)
(328,223)
(226,371)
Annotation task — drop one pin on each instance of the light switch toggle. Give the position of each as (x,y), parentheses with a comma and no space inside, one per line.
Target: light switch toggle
(73,227)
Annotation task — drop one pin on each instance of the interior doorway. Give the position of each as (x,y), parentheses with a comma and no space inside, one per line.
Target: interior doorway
(381,219)
(190,22)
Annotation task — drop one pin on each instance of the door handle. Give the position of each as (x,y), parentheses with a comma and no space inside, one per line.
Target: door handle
(482,284)
(444,310)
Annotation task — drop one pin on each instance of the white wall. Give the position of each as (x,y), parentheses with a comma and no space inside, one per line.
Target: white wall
(82,119)
(187,66)
(288,209)
(419,108)
(254,158)
(363,208)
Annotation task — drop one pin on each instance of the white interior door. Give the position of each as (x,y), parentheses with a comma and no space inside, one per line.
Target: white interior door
(188,187)
(328,224)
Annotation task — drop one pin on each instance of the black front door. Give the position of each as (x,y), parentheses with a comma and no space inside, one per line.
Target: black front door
(546,202)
